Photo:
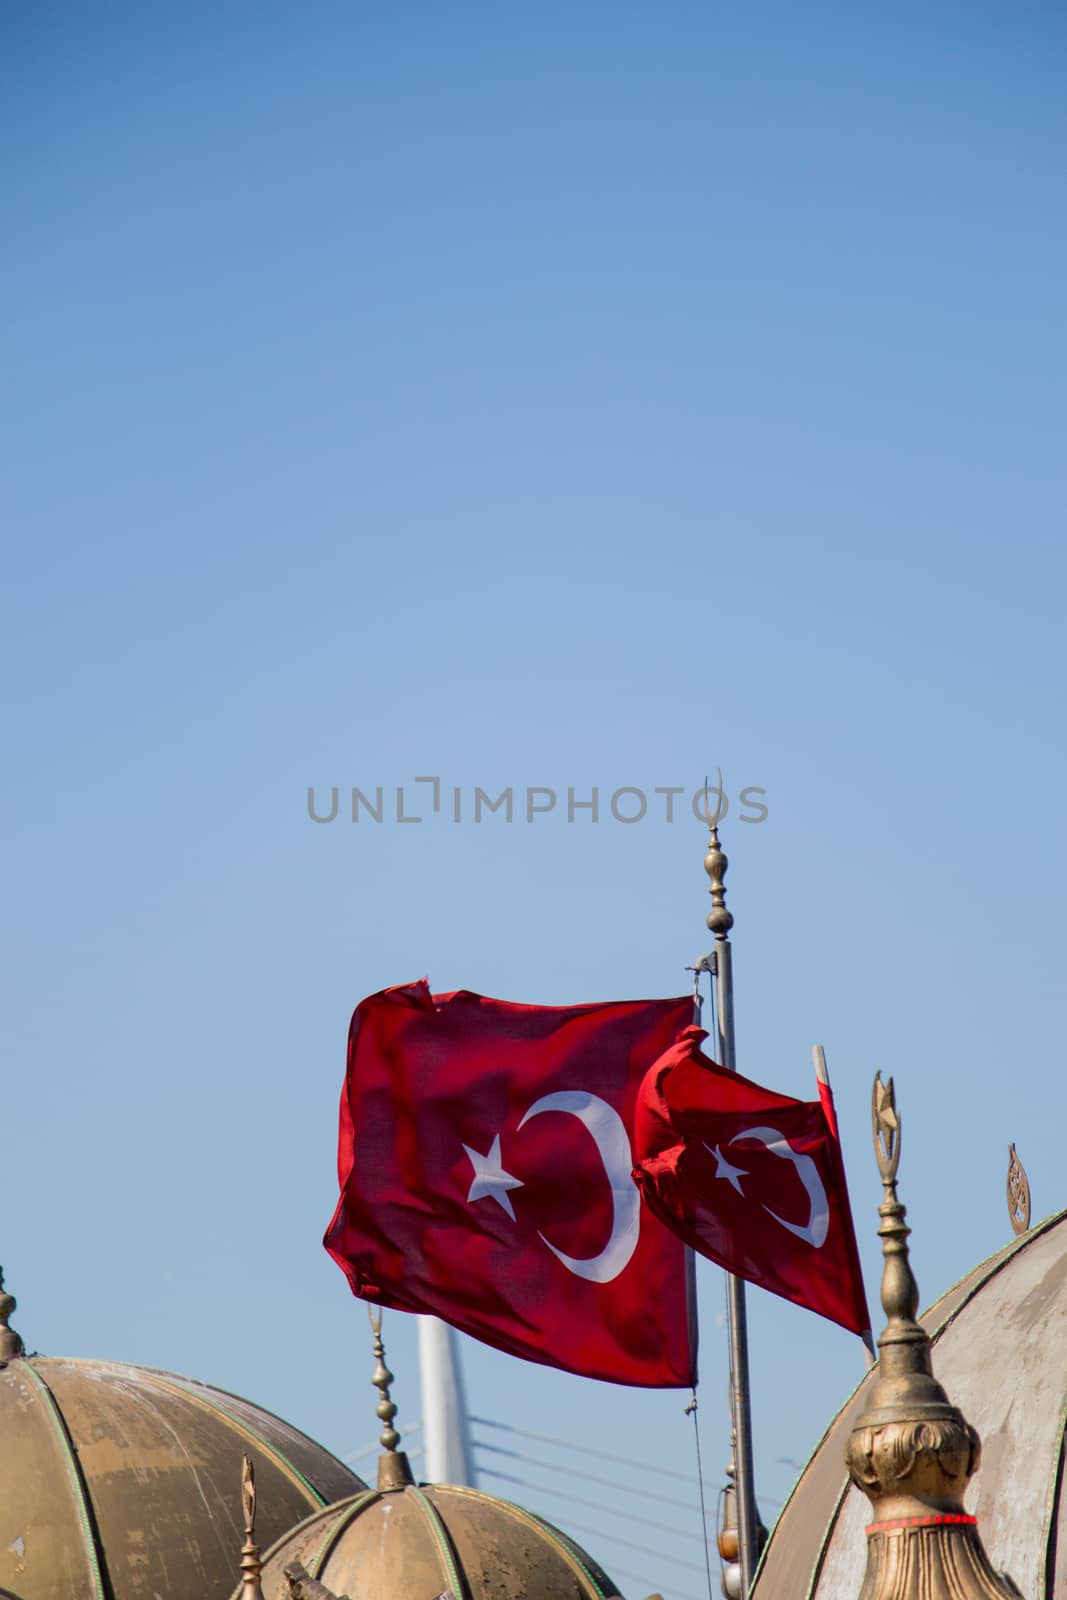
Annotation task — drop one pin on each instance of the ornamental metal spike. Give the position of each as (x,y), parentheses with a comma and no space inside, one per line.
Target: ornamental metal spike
(1018,1193)
(251,1565)
(394,1469)
(720,920)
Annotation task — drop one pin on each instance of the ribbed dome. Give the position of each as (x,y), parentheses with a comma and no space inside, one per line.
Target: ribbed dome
(430,1540)
(999,1342)
(122,1483)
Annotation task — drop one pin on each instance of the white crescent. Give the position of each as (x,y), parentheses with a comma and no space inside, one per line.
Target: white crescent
(818,1224)
(613,1146)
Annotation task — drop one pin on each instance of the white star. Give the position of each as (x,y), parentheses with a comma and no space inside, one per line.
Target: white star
(725,1170)
(491,1179)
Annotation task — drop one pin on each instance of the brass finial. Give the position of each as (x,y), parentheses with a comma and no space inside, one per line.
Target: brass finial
(1018,1193)
(251,1565)
(912,1452)
(885,1125)
(394,1469)
(720,920)
(10,1343)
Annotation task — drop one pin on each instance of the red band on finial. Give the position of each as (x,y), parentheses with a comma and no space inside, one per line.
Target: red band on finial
(941,1520)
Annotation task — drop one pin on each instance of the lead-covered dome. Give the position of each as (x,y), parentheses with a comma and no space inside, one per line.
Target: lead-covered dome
(999,1341)
(405,1540)
(432,1540)
(123,1483)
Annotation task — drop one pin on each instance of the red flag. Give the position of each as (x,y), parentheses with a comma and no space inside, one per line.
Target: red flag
(752,1179)
(485,1167)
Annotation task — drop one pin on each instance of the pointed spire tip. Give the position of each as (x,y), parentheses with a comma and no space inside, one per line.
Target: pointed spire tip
(251,1564)
(720,920)
(394,1470)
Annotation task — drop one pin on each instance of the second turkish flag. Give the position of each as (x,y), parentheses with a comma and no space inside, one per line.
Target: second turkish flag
(752,1179)
(485,1167)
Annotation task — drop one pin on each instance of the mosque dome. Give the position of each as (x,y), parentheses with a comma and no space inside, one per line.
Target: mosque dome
(999,1338)
(122,1483)
(405,1539)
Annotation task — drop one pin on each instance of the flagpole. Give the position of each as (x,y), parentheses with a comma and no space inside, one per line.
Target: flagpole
(822,1076)
(720,921)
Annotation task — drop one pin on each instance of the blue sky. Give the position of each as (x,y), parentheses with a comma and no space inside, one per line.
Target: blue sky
(551,395)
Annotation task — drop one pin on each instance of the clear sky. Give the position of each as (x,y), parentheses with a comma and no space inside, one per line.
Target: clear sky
(525,395)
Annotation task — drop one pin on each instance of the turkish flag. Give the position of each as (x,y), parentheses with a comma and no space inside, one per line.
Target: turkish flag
(485,1167)
(752,1179)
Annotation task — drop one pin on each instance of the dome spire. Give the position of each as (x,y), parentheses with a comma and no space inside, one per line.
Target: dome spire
(1018,1194)
(394,1470)
(10,1343)
(912,1452)
(251,1565)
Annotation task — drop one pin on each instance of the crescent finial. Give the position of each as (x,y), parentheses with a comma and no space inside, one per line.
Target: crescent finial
(885,1125)
(1018,1193)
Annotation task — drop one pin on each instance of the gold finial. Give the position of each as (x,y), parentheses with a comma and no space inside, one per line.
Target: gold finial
(912,1452)
(1018,1193)
(885,1125)
(720,920)
(394,1470)
(10,1343)
(900,1292)
(251,1565)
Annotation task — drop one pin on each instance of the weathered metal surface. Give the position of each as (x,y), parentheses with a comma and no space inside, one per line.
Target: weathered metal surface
(998,1337)
(120,1483)
(426,1541)
(328,1478)
(303,1587)
(45,1549)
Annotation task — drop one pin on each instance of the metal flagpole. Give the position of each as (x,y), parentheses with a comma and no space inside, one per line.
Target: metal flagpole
(822,1075)
(720,921)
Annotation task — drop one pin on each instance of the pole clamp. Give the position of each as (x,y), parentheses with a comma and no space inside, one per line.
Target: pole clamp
(708,963)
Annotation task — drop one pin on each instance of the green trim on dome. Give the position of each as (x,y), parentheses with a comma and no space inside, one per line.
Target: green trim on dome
(176,1385)
(464,1525)
(571,1553)
(339,1509)
(197,1392)
(94,1555)
(568,1547)
(1052,1507)
(443,1540)
(828,1533)
(351,1510)
(987,1270)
